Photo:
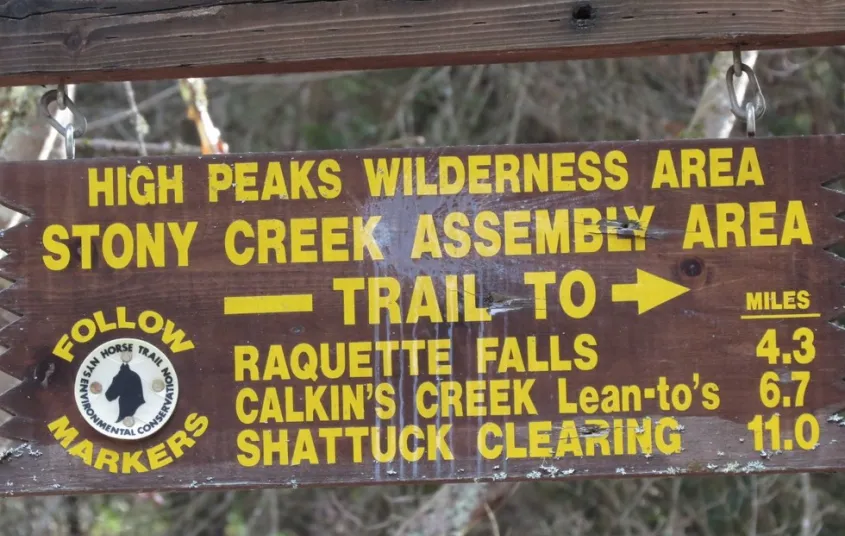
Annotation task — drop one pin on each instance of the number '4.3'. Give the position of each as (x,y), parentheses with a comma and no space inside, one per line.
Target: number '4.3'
(803,355)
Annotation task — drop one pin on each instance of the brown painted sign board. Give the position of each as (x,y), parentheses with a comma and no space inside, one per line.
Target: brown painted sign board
(451,314)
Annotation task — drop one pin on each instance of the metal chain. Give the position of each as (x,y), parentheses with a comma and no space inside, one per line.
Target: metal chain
(60,96)
(755,107)
(72,130)
(70,145)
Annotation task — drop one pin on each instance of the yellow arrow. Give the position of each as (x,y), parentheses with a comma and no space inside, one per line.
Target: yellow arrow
(649,291)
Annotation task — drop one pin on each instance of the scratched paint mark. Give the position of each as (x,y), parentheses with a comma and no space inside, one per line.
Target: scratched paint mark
(377,369)
(438,418)
(508,377)
(402,383)
(479,462)
(416,466)
(451,408)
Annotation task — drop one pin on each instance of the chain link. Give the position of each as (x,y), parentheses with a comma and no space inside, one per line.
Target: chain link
(738,61)
(74,129)
(70,144)
(60,96)
(751,119)
(755,107)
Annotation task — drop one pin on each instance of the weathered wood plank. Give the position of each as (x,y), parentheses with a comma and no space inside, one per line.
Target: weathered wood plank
(547,311)
(42,41)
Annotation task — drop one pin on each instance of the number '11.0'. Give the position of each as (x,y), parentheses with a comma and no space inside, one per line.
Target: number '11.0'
(806,433)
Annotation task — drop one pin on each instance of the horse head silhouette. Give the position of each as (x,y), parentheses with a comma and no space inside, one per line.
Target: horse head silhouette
(126,387)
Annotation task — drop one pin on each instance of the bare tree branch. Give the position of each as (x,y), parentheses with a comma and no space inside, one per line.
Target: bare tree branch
(141,128)
(454,508)
(151,102)
(194,94)
(409,141)
(809,517)
(103,145)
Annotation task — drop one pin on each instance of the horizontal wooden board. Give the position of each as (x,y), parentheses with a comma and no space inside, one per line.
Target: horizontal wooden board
(448,314)
(91,40)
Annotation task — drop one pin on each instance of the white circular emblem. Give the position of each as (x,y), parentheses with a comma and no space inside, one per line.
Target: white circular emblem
(126,388)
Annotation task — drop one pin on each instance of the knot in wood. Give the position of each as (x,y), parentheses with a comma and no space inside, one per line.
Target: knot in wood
(74,40)
(583,15)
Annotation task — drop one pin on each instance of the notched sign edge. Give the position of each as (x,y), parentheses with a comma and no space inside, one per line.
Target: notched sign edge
(836,187)
(17,218)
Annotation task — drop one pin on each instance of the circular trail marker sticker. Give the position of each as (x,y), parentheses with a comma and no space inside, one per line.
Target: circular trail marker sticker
(126,389)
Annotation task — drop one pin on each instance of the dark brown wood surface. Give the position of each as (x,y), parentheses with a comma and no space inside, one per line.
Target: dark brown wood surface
(80,41)
(697,338)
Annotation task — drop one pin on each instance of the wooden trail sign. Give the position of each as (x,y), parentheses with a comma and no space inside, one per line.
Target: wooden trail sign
(478,313)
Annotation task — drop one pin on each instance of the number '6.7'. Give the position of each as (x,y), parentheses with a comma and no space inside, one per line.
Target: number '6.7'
(770,394)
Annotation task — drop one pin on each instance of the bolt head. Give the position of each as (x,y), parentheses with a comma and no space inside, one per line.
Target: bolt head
(96,388)
(126,357)
(158,385)
(692,267)
(128,421)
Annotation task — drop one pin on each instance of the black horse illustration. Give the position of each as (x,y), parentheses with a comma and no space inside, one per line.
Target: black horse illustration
(126,386)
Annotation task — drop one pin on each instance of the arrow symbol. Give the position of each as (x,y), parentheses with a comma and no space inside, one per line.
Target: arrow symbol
(649,291)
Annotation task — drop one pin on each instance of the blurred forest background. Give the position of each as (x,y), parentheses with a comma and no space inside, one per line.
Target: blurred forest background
(611,99)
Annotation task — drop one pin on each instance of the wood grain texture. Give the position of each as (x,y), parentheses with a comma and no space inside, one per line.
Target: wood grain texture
(699,332)
(42,41)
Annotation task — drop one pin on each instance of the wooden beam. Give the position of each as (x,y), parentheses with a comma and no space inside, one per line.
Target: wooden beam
(42,41)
